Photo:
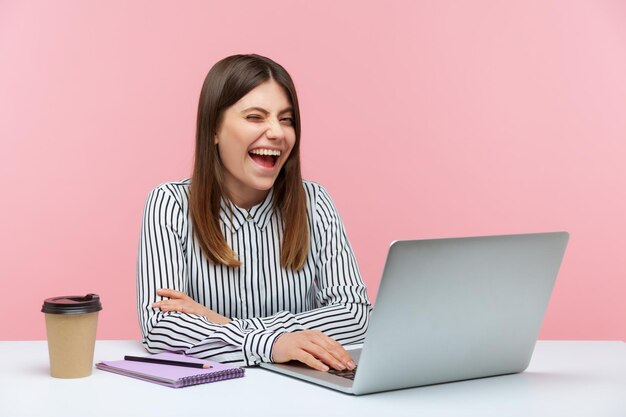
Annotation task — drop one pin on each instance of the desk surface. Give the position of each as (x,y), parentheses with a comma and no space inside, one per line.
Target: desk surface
(563,379)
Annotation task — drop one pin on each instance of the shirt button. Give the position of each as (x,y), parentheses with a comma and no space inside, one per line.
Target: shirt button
(249,217)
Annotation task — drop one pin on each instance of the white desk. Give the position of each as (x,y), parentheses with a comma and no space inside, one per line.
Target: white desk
(564,379)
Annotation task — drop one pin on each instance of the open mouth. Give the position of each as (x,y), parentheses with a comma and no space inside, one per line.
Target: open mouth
(265,157)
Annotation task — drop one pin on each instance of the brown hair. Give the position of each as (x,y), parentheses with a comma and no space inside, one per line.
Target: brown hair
(229,80)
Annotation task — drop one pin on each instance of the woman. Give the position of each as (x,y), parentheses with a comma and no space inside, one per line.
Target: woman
(245,262)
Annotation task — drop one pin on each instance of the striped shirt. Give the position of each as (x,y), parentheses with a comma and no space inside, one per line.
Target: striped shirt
(263,299)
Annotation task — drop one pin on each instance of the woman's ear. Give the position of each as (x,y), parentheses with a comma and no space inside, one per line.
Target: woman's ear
(215,139)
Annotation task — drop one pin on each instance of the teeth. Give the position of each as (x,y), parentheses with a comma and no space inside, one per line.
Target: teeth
(265,152)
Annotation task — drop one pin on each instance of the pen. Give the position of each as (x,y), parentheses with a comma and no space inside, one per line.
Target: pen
(167,362)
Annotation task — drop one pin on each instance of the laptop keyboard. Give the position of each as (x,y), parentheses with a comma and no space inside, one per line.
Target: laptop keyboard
(344,374)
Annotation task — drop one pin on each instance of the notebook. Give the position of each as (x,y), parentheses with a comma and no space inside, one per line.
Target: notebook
(172,376)
(450,310)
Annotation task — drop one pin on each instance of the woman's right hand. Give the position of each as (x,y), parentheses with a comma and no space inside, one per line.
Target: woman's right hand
(181,302)
(312,348)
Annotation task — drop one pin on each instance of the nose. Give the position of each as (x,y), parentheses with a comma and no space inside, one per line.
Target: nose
(275,130)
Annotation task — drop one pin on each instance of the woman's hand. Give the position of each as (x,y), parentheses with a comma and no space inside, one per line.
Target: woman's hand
(313,348)
(181,302)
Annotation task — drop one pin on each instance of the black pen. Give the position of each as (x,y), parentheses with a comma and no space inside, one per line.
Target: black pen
(167,362)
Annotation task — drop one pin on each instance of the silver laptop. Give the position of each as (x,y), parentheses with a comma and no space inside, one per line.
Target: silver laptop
(449,310)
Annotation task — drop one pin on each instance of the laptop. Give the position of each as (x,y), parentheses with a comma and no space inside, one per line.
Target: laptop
(451,310)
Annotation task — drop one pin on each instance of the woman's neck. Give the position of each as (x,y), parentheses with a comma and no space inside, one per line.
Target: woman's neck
(249,200)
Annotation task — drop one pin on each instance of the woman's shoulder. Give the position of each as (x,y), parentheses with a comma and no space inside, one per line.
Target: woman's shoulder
(318,197)
(179,190)
(313,189)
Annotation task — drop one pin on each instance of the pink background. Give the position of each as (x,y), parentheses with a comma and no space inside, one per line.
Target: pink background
(422,118)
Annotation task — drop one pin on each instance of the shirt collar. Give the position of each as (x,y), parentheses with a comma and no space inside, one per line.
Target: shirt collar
(234,217)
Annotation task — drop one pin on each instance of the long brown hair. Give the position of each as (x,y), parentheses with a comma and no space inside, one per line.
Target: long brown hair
(229,80)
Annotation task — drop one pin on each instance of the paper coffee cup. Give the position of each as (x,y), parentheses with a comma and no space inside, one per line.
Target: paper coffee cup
(71,323)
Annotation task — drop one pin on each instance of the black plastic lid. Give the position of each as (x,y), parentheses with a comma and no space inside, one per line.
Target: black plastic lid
(72,304)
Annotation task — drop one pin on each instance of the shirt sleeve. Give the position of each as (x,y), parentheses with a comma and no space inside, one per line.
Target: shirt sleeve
(341,295)
(343,311)
(161,263)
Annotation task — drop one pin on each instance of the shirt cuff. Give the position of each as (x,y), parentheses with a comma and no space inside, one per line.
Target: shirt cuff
(250,324)
(258,344)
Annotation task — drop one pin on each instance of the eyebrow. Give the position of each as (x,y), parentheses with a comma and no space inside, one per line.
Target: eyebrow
(262,110)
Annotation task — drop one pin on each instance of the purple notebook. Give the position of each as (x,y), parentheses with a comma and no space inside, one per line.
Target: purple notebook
(171,375)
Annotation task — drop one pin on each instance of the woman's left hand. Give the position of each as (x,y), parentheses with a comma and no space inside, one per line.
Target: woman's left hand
(181,302)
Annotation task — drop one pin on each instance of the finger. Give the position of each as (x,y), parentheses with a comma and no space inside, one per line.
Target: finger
(163,306)
(342,355)
(160,304)
(335,349)
(166,305)
(323,355)
(166,292)
(310,360)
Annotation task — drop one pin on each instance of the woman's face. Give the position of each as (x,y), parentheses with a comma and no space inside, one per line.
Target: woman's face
(254,140)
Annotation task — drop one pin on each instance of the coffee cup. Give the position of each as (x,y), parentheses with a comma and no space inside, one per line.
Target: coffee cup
(71,323)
